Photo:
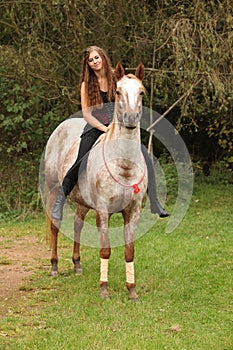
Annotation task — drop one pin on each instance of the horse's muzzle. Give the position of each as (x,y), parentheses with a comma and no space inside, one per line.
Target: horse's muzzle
(131,120)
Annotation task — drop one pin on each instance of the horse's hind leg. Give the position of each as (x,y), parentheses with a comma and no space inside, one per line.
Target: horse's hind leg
(53,229)
(78,225)
(54,256)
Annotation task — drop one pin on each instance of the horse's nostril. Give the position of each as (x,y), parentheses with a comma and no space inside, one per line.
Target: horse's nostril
(125,115)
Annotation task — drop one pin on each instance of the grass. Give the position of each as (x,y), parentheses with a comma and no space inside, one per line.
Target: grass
(184,280)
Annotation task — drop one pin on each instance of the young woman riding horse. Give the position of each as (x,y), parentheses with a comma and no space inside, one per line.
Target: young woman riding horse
(98,88)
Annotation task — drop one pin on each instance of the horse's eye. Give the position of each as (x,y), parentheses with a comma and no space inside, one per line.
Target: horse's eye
(141,93)
(118,92)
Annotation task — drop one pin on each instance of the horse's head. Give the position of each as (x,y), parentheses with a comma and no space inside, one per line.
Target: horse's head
(129,93)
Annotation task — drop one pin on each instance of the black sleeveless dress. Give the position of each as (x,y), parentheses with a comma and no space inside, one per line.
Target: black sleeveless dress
(88,139)
(104,115)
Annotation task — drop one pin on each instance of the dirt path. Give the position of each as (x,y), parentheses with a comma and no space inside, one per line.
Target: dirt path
(18,260)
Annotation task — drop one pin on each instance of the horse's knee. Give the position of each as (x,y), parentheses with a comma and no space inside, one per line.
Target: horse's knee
(105,253)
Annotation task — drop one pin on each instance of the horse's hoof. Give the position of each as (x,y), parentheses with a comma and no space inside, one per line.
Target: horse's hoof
(78,270)
(104,292)
(54,273)
(133,295)
(134,300)
(105,297)
(77,266)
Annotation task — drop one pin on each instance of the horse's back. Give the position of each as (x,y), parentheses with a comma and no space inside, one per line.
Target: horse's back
(65,138)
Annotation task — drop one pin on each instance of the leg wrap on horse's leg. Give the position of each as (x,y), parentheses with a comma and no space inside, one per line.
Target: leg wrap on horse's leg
(104,270)
(130,284)
(130,272)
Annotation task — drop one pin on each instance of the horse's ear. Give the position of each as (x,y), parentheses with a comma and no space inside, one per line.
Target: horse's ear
(140,70)
(119,71)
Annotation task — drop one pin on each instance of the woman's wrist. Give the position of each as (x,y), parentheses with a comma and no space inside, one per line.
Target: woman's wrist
(103,128)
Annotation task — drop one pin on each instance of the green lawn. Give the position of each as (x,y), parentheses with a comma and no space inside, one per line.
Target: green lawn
(184,281)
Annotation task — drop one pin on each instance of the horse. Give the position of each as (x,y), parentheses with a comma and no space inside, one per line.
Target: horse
(108,183)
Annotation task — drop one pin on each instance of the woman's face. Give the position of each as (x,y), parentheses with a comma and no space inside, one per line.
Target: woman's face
(95,61)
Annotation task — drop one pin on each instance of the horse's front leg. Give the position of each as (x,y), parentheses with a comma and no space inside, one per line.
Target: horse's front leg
(78,225)
(102,221)
(130,225)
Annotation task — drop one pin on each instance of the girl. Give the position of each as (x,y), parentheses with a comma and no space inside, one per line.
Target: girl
(98,87)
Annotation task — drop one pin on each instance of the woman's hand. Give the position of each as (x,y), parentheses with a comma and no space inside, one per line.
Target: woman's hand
(107,128)
(103,127)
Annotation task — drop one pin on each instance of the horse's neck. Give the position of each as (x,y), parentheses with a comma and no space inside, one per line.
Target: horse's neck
(119,131)
(124,143)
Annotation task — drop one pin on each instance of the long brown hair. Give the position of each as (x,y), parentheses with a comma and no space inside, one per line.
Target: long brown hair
(91,83)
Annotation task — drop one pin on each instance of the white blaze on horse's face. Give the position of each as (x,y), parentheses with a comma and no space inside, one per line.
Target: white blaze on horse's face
(129,101)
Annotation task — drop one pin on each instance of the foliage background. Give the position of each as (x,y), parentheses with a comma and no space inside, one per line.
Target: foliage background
(179,42)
